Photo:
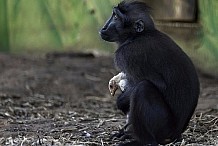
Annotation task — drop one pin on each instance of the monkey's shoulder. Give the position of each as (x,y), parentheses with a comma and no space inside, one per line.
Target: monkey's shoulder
(155,50)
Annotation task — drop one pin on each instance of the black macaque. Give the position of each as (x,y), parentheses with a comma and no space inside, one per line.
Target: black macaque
(162,87)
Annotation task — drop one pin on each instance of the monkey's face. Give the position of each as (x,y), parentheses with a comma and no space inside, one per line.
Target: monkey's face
(114,29)
(126,22)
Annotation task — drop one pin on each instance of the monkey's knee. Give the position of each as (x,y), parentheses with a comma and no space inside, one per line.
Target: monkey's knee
(151,118)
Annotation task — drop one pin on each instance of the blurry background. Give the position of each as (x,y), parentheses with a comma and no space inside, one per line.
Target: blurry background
(40,26)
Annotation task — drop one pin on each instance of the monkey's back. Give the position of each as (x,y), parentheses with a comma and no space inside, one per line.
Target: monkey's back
(157,58)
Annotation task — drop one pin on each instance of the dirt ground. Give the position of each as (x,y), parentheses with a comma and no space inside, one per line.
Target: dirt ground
(63,99)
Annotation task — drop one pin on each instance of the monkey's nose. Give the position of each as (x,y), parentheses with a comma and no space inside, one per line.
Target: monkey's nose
(103,34)
(104,28)
(102,31)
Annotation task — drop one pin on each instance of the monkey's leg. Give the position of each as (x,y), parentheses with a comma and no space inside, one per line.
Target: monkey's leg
(151,119)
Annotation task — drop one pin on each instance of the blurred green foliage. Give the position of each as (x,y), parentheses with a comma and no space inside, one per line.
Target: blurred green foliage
(57,25)
(45,25)
(4,32)
(207,53)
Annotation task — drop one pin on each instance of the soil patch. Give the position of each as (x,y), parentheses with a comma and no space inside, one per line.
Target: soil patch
(62,99)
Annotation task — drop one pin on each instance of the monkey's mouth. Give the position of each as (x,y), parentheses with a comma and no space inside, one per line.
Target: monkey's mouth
(104,36)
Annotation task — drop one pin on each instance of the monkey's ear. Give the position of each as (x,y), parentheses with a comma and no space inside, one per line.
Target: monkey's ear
(139,26)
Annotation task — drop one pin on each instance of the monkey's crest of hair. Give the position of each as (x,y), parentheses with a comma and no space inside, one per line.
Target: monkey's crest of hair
(125,6)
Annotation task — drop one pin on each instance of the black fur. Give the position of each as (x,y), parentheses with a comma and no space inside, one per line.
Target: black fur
(163,85)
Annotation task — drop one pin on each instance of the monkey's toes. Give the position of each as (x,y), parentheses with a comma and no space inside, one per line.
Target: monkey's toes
(121,135)
(117,135)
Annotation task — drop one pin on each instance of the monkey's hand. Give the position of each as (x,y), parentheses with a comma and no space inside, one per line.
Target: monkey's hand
(118,81)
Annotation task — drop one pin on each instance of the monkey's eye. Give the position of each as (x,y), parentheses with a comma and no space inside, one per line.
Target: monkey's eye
(115,16)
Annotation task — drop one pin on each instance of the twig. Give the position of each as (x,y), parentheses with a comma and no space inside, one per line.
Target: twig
(24,139)
(102,143)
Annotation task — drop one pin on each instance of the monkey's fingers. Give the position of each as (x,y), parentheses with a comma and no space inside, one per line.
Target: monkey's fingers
(117,135)
(121,135)
(125,137)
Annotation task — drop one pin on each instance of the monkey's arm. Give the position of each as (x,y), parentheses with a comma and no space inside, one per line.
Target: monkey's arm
(118,81)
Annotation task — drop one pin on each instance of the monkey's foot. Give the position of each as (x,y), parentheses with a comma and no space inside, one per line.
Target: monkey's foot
(118,134)
(121,135)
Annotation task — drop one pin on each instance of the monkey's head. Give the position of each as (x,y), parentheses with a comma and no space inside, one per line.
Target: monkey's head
(129,19)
